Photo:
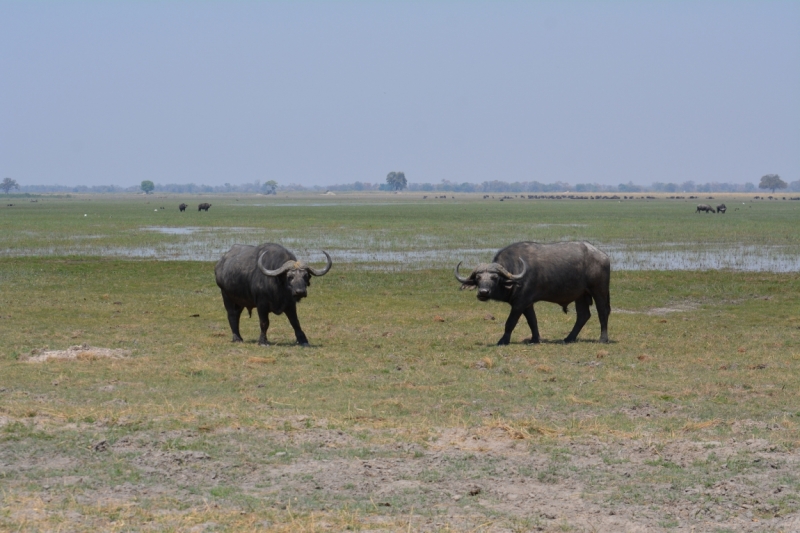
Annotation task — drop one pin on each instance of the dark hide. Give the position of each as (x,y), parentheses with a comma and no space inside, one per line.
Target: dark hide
(704,207)
(721,208)
(245,285)
(560,273)
(182,207)
(203,207)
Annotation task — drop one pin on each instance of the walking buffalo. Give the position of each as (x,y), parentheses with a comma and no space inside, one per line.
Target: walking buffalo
(560,273)
(268,277)
(721,208)
(182,207)
(704,207)
(203,207)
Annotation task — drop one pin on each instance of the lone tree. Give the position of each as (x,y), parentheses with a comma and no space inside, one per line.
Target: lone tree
(147,186)
(772,181)
(9,184)
(270,187)
(396,180)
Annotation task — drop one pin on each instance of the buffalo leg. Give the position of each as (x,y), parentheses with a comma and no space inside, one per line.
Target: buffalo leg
(234,313)
(291,314)
(530,316)
(511,323)
(603,306)
(263,322)
(582,307)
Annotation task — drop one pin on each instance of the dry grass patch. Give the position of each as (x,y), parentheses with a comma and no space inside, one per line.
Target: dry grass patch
(522,430)
(261,360)
(486,362)
(82,352)
(578,401)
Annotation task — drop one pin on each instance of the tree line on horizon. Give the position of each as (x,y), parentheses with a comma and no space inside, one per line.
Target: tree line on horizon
(396,181)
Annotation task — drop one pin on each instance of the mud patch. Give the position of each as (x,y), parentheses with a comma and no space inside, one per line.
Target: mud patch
(82,352)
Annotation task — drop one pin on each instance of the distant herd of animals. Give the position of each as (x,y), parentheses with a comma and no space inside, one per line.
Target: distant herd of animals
(599,197)
(202,207)
(709,209)
(270,279)
(701,208)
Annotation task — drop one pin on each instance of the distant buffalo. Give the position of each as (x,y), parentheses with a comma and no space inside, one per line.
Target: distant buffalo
(704,207)
(268,277)
(203,207)
(560,273)
(721,208)
(182,207)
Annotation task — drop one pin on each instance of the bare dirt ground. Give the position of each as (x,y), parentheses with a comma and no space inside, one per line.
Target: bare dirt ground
(490,478)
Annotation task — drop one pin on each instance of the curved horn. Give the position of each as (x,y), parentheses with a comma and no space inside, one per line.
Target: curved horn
(315,272)
(508,274)
(283,268)
(459,278)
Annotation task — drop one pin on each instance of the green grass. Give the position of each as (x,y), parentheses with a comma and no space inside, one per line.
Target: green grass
(398,349)
(397,354)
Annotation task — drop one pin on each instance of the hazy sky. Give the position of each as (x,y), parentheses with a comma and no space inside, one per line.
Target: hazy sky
(319,93)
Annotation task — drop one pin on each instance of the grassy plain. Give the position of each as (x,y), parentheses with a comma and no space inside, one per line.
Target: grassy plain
(403,407)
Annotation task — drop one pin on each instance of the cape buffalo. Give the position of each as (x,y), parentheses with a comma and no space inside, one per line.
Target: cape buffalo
(182,207)
(704,207)
(721,208)
(561,273)
(268,277)
(203,207)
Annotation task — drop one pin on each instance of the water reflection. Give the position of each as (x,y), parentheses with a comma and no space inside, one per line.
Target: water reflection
(189,230)
(378,251)
(744,258)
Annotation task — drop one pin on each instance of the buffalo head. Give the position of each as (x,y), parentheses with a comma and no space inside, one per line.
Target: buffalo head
(490,278)
(298,274)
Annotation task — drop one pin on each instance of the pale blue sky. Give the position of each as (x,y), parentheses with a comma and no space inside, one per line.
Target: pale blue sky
(319,93)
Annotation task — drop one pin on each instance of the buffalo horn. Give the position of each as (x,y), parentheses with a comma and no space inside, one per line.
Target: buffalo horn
(508,274)
(315,272)
(459,278)
(283,268)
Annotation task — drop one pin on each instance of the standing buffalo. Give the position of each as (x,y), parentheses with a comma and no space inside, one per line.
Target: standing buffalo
(268,277)
(561,273)
(721,208)
(203,207)
(182,207)
(704,207)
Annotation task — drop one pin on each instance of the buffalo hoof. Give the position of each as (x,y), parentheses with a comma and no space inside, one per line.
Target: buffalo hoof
(263,343)
(570,341)
(533,341)
(503,342)
(236,338)
(304,344)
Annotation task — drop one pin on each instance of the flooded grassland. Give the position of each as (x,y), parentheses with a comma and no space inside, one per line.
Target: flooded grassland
(408,232)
